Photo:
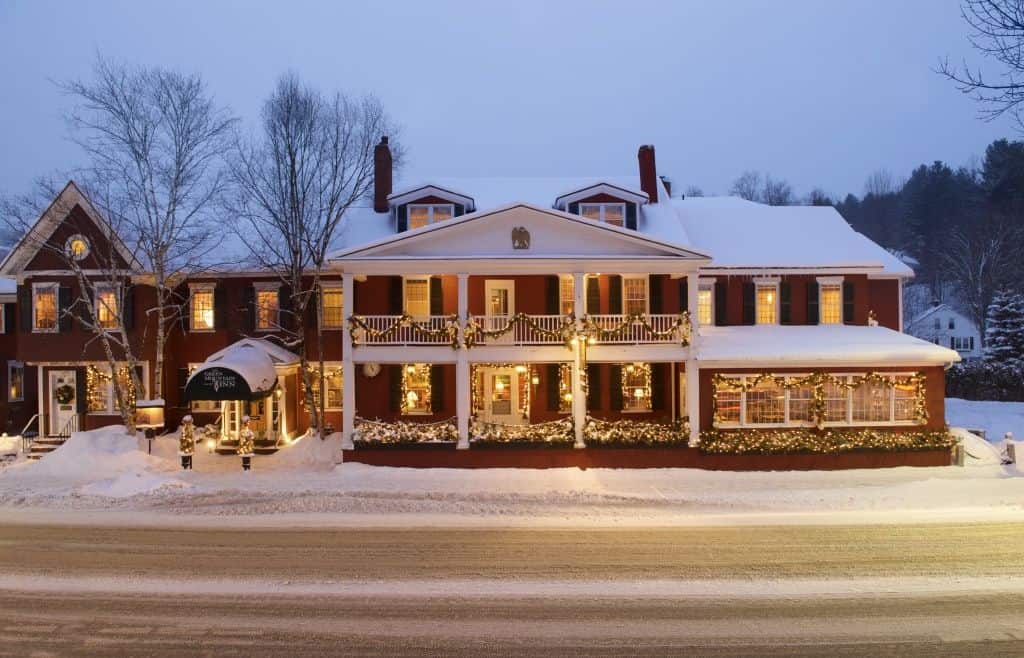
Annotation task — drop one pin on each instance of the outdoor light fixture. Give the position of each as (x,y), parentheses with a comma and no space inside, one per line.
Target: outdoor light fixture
(499,385)
(413,397)
(520,369)
(567,397)
(535,380)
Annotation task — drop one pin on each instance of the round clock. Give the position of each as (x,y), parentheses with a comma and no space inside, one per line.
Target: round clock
(371,369)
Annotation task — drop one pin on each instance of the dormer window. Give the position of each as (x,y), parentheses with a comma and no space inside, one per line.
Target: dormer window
(422,214)
(609,213)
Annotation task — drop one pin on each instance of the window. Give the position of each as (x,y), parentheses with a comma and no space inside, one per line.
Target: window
(952,323)
(830,297)
(836,403)
(15,381)
(44,307)
(609,213)
(201,316)
(106,307)
(766,404)
(417,297)
(800,404)
(767,302)
(567,295)
(416,389)
(961,343)
(904,403)
(332,382)
(872,402)
(332,308)
(267,307)
(100,398)
(421,214)
(728,403)
(564,388)
(634,295)
(706,304)
(77,247)
(636,387)
(938,324)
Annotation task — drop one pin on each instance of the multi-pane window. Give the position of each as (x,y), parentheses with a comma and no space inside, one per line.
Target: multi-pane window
(201,311)
(100,398)
(634,295)
(904,403)
(872,402)
(332,384)
(106,307)
(636,387)
(837,400)
(15,381)
(417,297)
(767,298)
(831,304)
(44,308)
(567,295)
(766,404)
(332,308)
(728,404)
(421,214)
(952,323)
(416,388)
(610,213)
(800,404)
(706,306)
(961,343)
(267,307)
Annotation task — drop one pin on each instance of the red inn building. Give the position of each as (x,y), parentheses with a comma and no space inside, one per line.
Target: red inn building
(562,315)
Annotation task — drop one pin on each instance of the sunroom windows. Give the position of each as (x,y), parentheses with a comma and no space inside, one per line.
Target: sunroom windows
(422,214)
(609,213)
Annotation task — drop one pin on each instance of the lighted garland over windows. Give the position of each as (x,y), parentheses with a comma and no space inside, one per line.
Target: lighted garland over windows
(784,441)
(95,378)
(449,332)
(817,381)
(475,333)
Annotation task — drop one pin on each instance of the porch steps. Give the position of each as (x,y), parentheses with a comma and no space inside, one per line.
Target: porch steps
(43,446)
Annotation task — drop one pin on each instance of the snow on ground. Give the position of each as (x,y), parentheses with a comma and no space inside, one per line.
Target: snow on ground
(107,472)
(996,418)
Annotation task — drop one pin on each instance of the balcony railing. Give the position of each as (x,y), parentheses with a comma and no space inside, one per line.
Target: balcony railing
(638,329)
(404,330)
(519,329)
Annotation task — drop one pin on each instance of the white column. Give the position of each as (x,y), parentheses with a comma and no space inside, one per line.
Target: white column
(692,367)
(579,396)
(463,396)
(348,369)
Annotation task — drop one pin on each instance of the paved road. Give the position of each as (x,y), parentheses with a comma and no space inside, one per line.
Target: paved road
(52,613)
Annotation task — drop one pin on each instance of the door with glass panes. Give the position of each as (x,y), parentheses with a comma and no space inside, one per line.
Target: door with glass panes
(501,396)
(500,300)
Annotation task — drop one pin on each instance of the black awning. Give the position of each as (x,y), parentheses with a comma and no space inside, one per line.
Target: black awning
(222,383)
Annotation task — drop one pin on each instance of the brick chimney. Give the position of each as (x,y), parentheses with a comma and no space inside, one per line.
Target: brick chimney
(648,172)
(382,175)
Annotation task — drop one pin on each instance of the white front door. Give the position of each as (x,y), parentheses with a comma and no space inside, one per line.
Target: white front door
(501,396)
(63,405)
(500,297)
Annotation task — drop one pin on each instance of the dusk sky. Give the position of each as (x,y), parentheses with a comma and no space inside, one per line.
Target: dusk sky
(819,93)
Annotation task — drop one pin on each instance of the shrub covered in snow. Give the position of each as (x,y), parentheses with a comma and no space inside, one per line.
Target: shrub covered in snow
(631,433)
(557,433)
(782,441)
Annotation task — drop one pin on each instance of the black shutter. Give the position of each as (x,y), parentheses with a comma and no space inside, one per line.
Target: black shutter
(437,388)
(593,386)
(25,307)
(80,393)
(551,299)
(785,303)
(186,311)
(284,307)
(593,296)
(655,290)
(311,308)
(658,396)
(394,387)
(250,307)
(9,318)
(459,210)
(749,302)
(395,305)
(574,208)
(615,387)
(950,342)
(614,294)
(436,296)
(220,307)
(848,298)
(812,302)
(64,309)
(402,214)
(631,216)
(85,309)
(553,374)
(182,381)
(721,303)
(684,294)
(129,306)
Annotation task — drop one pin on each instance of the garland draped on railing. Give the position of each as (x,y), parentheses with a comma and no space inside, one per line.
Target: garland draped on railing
(565,332)
(681,324)
(552,433)
(635,433)
(780,441)
(403,433)
(450,331)
(817,381)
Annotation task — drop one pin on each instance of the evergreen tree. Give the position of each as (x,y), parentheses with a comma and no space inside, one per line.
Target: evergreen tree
(1004,330)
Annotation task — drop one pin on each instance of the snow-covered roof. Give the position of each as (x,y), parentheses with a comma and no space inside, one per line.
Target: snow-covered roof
(834,345)
(744,234)
(277,354)
(8,285)
(217,377)
(944,307)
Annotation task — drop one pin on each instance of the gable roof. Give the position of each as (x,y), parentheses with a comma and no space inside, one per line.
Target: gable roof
(398,198)
(50,220)
(602,187)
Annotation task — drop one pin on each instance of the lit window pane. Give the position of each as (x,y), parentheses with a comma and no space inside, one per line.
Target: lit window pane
(766,300)
(635,289)
(266,309)
(766,404)
(905,402)
(636,387)
(418,216)
(106,308)
(591,210)
(441,213)
(836,400)
(567,294)
(727,404)
(800,404)
(416,384)
(831,304)
(332,308)
(45,304)
(705,307)
(613,214)
(871,402)
(202,310)
(417,297)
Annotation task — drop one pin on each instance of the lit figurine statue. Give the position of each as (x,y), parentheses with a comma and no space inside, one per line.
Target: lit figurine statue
(187,443)
(246,444)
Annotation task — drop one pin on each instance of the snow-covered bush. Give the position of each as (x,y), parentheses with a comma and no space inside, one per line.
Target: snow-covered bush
(631,433)
(554,434)
(797,440)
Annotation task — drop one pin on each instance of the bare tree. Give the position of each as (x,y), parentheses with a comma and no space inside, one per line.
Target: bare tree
(155,140)
(777,192)
(694,191)
(819,197)
(881,183)
(747,186)
(292,186)
(997,32)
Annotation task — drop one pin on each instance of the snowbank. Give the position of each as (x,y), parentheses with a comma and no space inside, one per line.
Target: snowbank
(306,453)
(996,418)
(97,454)
(978,450)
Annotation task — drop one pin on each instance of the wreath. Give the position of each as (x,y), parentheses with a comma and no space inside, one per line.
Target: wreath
(65,393)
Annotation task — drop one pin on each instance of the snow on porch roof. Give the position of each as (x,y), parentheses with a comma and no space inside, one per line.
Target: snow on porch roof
(818,345)
(240,373)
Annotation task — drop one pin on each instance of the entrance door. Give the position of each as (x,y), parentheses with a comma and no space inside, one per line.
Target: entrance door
(63,405)
(501,396)
(500,299)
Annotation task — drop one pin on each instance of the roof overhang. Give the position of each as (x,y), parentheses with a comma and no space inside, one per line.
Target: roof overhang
(398,198)
(246,370)
(601,188)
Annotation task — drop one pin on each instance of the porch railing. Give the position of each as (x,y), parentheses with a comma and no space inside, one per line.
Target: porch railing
(521,329)
(621,329)
(404,330)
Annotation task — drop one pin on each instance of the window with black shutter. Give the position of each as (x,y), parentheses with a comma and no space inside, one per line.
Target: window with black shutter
(812,302)
(402,218)
(129,306)
(552,376)
(615,294)
(593,296)
(395,301)
(394,387)
(785,303)
(436,296)
(659,372)
(654,290)
(220,307)
(593,386)
(631,216)
(684,294)
(749,302)
(721,303)
(250,308)
(615,387)
(848,302)
(551,295)
(25,308)
(437,400)
(64,309)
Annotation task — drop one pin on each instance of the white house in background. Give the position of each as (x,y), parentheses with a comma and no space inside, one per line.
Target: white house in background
(942,325)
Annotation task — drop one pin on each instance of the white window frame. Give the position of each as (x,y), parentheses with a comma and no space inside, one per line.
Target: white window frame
(335,286)
(833,281)
(331,365)
(11,366)
(767,282)
(264,286)
(36,287)
(562,280)
(647,291)
(602,206)
(709,286)
(430,212)
(193,288)
(405,297)
(111,408)
(427,410)
(106,287)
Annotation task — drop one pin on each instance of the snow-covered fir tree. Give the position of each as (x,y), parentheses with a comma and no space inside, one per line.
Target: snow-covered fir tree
(1004,330)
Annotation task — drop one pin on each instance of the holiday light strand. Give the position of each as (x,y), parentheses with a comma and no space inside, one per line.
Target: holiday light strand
(375,432)
(629,433)
(475,333)
(552,433)
(680,325)
(808,440)
(449,332)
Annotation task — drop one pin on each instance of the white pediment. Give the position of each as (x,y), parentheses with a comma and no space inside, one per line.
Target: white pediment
(518,231)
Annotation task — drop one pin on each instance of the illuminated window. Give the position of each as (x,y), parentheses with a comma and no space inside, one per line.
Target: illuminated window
(766,404)
(800,404)
(767,299)
(77,247)
(44,307)
(609,213)
(567,295)
(332,383)
(201,316)
(15,381)
(636,387)
(417,297)
(267,307)
(332,308)
(728,402)
(416,388)
(421,214)
(706,305)
(634,295)
(564,388)
(106,307)
(100,397)
(831,304)
(837,401)
(904,403)
(872,402)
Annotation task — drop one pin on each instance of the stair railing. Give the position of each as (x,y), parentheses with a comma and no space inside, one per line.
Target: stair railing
(26,441)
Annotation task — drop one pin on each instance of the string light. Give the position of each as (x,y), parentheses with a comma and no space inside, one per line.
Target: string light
(596,332)
(556,433)
(634,433)
(449,332)
(377,432)
(779,441)
(475,333)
